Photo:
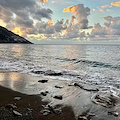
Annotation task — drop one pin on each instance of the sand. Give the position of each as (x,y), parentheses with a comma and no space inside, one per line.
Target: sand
(78,100)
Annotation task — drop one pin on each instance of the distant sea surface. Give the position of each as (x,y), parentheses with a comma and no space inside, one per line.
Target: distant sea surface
(96,64)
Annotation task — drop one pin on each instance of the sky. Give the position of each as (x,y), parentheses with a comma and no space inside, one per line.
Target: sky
(62,21)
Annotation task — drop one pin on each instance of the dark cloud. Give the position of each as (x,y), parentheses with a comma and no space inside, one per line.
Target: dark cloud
(17,4)
(40,13)
(22,12)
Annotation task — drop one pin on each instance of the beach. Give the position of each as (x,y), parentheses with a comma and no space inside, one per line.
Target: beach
(78,100)
(27,102)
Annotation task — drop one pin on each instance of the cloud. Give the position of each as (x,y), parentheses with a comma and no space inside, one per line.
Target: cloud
(52,1)
(117,4)
(26,19)
(101,10)
(81,13)
(22,13)
(42,1)
(110,28)
(105,6)
(73,18)
(93,9)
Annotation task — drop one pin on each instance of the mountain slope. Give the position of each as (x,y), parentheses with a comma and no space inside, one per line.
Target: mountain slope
(7,36)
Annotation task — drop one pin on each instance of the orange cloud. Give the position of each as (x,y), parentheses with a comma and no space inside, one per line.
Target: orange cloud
(93,9)
(101,10)
(71,9)
(21,30)
(117,4)
(104,6)
(52,1)
(50,22)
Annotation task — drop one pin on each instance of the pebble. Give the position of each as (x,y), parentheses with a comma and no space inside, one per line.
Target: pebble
(17,98)
(58,97)
(43,81)
(16,113)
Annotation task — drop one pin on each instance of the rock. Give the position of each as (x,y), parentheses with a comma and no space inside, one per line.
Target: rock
(52,73)
(43,93)
(57,111)
(17,98)
(71,84)
(58,87)
(82,118)
(43,81)
(58,97)
(16,113)
(76,84)
(45,112)
(116,114)
(11,106)
(50,109)
(38,72)
(54,110)
(113,113)
(29,109)
(87,88)
(103,99)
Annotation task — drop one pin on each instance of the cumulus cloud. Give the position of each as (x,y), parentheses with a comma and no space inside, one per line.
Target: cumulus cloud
(117,4)
(26,19)
(81,13)
(111,27)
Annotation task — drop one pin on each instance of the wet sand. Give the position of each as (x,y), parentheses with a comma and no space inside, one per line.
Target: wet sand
(28,101)
(84,101)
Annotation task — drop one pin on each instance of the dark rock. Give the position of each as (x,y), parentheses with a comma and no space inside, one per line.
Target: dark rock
(57,111)
(29,109)
(52,73)
(11,106)
(16,113)
(58,87)
(54,110)
(87,88)
(38,72)
(76,84)
(103,100)
(43,93)
(43,81)
(58,97)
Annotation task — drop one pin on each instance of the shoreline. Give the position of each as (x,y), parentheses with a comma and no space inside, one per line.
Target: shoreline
(83,100)
(29,106)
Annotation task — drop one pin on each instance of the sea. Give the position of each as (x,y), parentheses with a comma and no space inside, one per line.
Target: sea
(96,64)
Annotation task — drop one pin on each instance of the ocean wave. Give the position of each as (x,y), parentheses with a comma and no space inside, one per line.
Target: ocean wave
(98,64)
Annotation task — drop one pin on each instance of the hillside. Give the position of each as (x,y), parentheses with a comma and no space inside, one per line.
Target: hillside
(7,36)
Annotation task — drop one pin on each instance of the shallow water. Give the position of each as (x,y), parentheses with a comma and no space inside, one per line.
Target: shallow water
(96,64)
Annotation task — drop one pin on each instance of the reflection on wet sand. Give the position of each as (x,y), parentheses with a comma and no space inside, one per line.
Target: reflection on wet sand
(12,80)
